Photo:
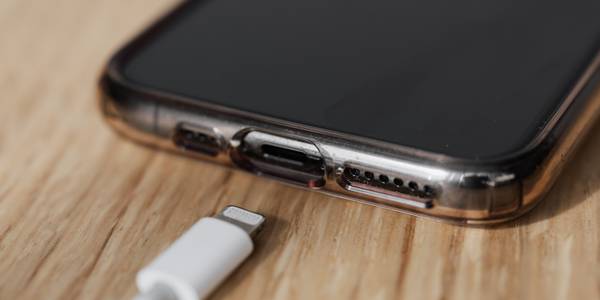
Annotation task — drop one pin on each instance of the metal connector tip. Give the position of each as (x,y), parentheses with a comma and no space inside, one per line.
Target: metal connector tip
(249,221)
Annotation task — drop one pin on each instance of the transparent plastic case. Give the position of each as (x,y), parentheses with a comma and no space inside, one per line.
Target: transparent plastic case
(352,167)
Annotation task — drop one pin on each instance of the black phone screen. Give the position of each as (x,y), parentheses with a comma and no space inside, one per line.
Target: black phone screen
(470,79)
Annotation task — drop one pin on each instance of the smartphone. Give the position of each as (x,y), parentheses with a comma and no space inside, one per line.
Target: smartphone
(463,111)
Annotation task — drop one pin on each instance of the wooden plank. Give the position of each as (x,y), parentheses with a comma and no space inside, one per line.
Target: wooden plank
(81,210)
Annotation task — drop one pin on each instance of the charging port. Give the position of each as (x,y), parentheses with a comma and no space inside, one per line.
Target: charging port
(390,188)
(196,139)
(290,159)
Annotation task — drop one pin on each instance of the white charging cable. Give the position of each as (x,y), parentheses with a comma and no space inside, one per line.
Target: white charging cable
(201,258)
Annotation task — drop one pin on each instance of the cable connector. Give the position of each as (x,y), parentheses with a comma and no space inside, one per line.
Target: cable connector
(202,257)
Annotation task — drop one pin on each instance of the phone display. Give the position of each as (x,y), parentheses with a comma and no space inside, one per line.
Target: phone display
(469,79)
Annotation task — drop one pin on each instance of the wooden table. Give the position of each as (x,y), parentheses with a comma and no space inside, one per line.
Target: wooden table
(81,210)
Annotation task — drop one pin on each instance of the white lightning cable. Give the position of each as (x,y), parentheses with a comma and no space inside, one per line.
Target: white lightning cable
(201,258)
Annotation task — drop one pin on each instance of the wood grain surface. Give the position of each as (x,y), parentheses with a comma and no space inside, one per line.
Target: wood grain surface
(81,210)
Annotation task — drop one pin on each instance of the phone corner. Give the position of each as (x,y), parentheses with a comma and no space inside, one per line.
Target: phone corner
(129,112)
